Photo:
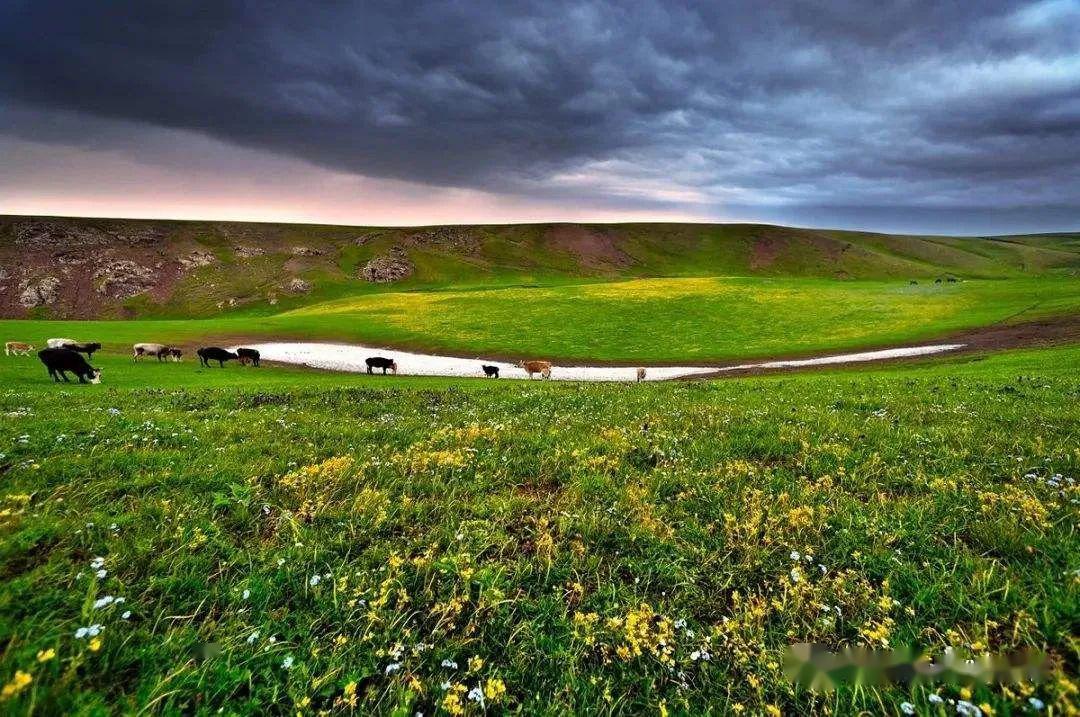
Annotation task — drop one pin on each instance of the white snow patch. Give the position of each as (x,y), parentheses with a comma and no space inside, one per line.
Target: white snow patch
(350,357)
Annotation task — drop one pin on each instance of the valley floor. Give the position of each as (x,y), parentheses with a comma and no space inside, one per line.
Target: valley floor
(282,540)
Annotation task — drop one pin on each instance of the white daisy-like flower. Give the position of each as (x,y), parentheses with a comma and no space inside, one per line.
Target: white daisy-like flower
(967,709)
(103,601)
(126,615)
(246,594)
(101,574)
(445,686)
(287,663)
(392,668)
(1036,703)
(795,555)
(253,637)
(907,708)
(796,576)
(315,580)
(98,561)
(935,699)
(449,663)
(476,694)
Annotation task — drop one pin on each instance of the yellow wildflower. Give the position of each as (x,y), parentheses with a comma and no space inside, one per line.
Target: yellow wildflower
(95,644)
(46,655)
(773,711)
(18,683)
(476,663)
(495,689)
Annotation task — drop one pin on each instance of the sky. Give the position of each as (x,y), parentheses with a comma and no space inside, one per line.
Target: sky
(914,116)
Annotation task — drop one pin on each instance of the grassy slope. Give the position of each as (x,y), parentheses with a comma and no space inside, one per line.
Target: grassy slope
(461,525)
(702,319)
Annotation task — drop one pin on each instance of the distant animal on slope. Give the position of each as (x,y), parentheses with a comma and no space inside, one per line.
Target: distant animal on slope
(161,351)
(60,361)
(380,362)
(490,371)
(913,283)
(541,367)
(215,353)
(18,348)
(247,355)
(640,375)
(87,348)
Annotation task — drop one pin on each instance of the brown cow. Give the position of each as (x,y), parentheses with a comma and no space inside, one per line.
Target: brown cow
(18,348)
(541,367)
(640,375)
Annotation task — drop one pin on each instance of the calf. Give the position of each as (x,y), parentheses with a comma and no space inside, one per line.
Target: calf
(214,353)
(541,367)
(490,371)
(380,362)
(59,343)
(248,355)
(176,354)
(18,348)
(60,361)
(640,375)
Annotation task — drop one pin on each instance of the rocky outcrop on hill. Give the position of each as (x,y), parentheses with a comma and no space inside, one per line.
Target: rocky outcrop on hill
(196,258)
(42,291)
(298,286)
(244,251)
(387,268)
(44,233)
(306,251)
(445,238)
(123,279)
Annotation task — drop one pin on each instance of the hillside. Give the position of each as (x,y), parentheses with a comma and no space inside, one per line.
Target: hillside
(118,268)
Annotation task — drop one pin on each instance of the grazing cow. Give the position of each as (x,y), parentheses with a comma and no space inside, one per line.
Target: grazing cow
(247,355)
(937,281)
(640,375)
(490,371)
(60,361)
(158,350)
(87,348)
(951,280)
(913,283)
(18,348)
(176,354)
(541,367)
(383,363)
(214,353)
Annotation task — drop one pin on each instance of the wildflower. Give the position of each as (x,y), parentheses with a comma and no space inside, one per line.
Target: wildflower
(392,668)
(253,637)
(935,699)
(46,655)
(18,683)
(445,686)
(246,595)
(125,615)
(795,575)
(315,579)
(495,689)
(95,644)
(703,655)
(101,574)
(907,708)
(1036,703)
(476,695)
(103,601)
(795,555)
(98,561)
(449,663)
(475,663)
(287,663)
(967,709)
(773,711)
(89,631)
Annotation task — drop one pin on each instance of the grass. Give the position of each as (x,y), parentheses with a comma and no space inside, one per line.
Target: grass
(672,319)
(287,541)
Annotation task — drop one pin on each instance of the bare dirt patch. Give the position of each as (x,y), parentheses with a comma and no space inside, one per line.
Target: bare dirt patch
(591,248)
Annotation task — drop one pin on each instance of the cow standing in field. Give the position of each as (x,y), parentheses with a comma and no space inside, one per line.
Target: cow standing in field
(214,353)
(87,348)
(60,361)
(541,367)
(640,375)
(381,362)
(248,355)
(490,371)
(161,351)
(18,348)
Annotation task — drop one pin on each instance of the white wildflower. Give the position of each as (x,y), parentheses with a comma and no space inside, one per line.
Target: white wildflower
(392,668)
(449,663)
(907,708)
(287,663)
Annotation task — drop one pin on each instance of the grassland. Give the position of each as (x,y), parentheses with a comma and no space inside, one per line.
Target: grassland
(286,541)
(648,320)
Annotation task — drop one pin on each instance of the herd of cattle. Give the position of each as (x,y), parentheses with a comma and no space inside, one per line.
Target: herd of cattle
(64,355)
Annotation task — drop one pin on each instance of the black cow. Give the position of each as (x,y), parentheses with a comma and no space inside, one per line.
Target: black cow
(213,353)
(380,362)
(490,371)
(85,348)
(176,354)
(60,361)
(248,355)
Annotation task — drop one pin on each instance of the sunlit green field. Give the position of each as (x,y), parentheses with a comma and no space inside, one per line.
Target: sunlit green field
(675,319)
(186,541)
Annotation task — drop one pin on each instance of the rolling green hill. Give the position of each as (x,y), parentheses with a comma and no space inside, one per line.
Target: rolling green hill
(111,268)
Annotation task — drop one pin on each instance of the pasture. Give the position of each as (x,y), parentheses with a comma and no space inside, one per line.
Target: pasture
(185,540)
(675,320)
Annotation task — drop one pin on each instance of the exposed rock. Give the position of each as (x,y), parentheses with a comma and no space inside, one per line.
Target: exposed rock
(123,278)
(197,258)
(244,251)
(41,233)
(298,286)
(272,299)
(40,292)
(456,238)
(4,274)
(364,238)
(306,251)
(385,269)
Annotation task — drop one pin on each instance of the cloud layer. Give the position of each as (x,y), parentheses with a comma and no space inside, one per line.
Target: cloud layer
(920,116)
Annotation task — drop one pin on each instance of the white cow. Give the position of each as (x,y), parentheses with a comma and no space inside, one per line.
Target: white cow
(59,343)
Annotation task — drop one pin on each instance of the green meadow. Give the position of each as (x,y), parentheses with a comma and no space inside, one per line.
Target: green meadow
(669,319)
(179,540)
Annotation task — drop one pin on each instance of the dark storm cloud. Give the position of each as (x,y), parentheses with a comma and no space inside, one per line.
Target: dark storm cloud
(782,110)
